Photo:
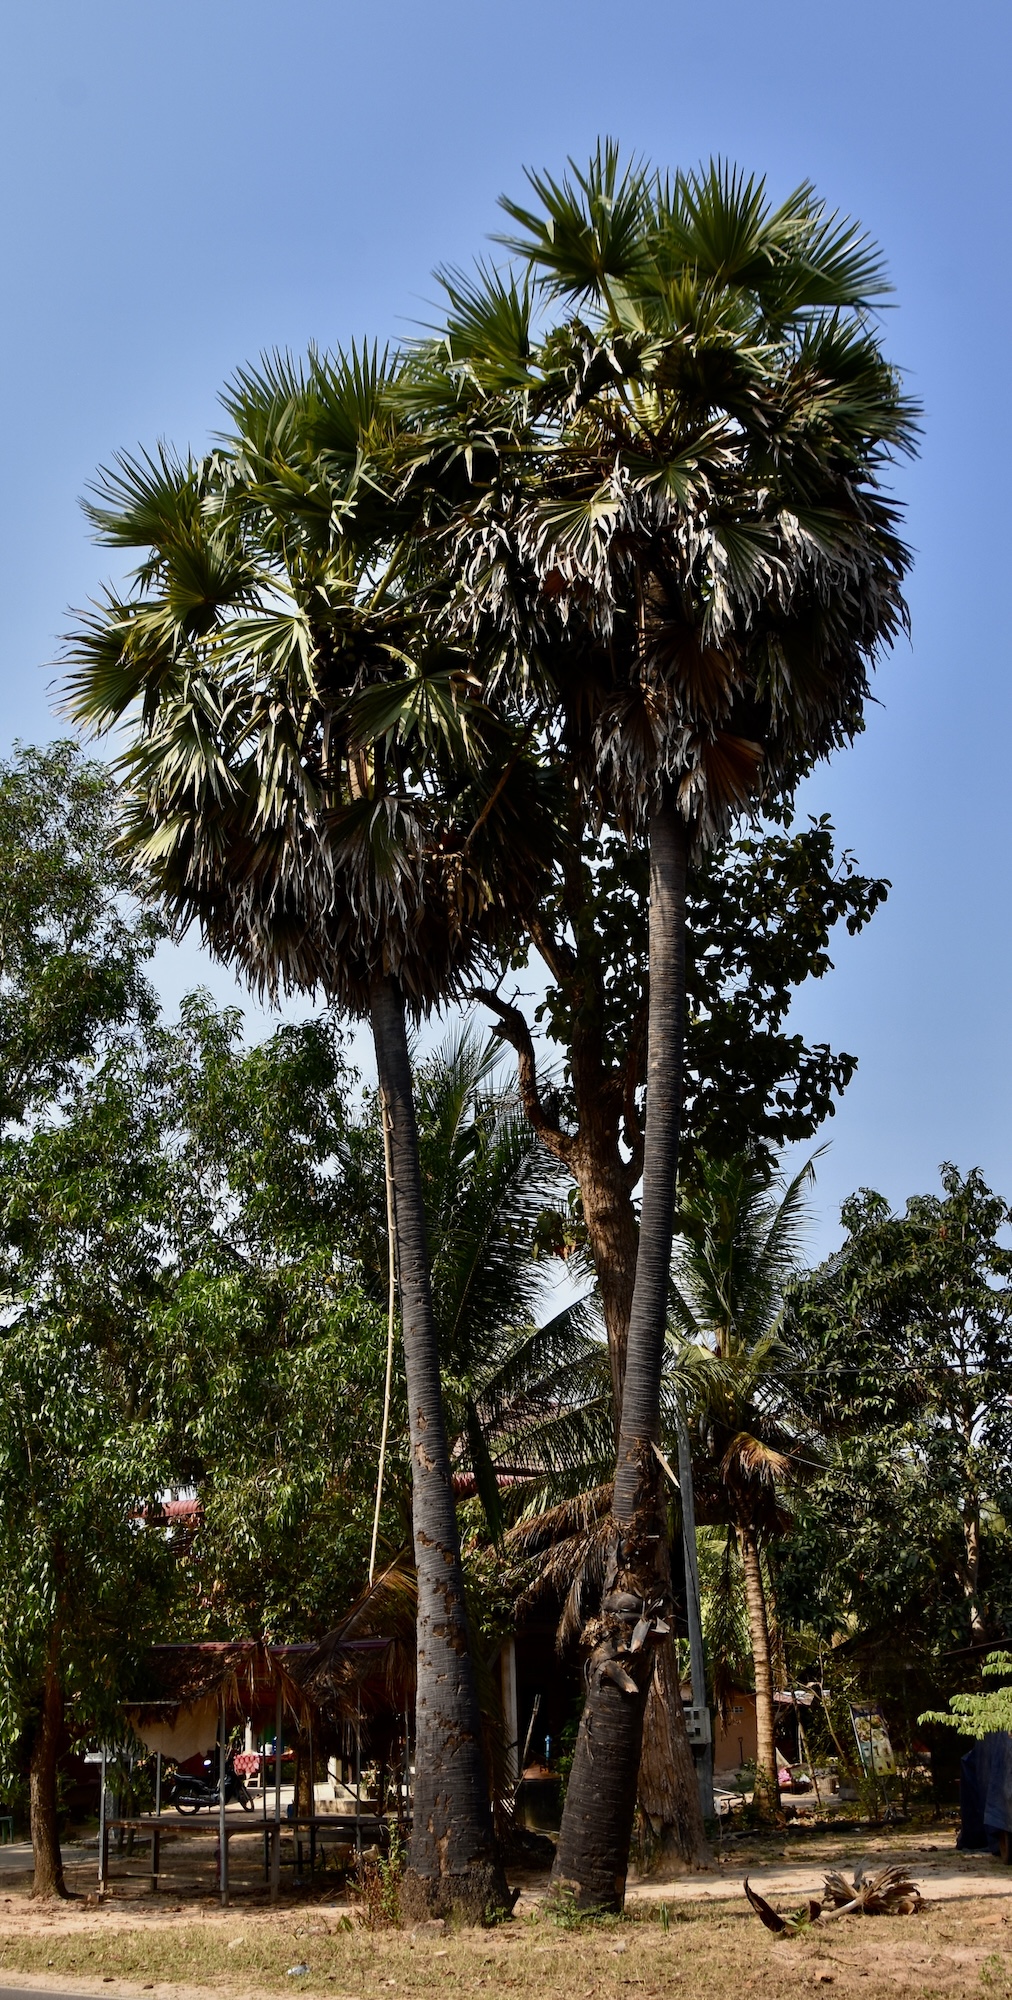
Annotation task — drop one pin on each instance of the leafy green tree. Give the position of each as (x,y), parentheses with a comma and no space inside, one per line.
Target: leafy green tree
(73,942)
(903,1344)
(679,541)
(266,1354)
(760,916)
(73,993)
(81,1460)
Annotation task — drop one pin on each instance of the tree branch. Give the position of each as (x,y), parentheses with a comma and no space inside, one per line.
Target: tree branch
(559,957)
(514,1029)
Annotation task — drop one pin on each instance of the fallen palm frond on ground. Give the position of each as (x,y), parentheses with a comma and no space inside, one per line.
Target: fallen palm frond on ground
(888,1893)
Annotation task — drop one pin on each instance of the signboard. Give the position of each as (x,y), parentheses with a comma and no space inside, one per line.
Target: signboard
(874,1747)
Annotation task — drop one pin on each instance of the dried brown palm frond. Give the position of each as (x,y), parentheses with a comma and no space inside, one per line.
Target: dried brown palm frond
(340,1671)
(755,1458)
(562,1553)
(888,1893)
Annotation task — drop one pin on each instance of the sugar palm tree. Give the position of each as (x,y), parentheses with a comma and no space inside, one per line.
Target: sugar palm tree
(738,1247)
(301,779)
(676,543)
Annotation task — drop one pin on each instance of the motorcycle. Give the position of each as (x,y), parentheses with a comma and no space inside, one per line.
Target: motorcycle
(190,1794)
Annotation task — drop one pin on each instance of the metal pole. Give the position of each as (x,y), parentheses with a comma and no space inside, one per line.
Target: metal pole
(103,1851)
(697,1661)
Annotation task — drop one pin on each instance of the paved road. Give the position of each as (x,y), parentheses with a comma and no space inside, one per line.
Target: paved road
(50,1992)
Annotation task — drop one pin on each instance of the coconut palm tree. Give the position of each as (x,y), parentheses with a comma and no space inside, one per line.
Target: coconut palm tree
(301,779)
(678,548)
(737,1249)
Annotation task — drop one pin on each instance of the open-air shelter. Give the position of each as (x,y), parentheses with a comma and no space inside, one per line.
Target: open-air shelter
(190,1698)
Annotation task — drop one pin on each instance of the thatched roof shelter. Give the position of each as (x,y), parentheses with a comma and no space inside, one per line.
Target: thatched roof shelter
(182,1691)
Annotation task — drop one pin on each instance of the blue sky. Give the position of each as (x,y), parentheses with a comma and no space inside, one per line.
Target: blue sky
(189,184)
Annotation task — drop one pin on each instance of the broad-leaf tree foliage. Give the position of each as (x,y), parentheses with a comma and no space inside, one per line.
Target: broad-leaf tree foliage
(267,1350)
(761,911)
(73,991)
(73,943)
(179,1315)
(903,1346)
(80,1579)
(678,537)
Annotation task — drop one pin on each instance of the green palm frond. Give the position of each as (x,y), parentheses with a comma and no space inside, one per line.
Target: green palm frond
(589,238)
(488,325)
(794,258)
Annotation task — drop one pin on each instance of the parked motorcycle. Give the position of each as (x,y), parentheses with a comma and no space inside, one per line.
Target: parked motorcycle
(190,1793)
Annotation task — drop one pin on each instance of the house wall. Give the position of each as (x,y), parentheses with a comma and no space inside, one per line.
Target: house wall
(735,1742)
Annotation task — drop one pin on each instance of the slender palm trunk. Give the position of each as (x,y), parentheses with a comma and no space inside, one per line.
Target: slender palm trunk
(452,1862)
(48,1879)
(593,1852)
(767,1788)
(971,1570)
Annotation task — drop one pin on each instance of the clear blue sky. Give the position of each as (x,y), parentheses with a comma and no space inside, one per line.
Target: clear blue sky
(187,184)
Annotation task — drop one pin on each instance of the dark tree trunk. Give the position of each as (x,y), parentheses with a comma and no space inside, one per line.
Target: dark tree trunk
(767,1786)
(593,1852)
(48,1879)
(452,1861)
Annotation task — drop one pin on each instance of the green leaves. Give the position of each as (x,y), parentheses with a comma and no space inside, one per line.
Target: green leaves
(73,942)
(589,237)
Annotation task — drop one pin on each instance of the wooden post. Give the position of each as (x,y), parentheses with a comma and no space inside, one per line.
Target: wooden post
(276,1835)
(312,1804)
(156,1835)
(222,1835)
(358,1778)
(508,1673)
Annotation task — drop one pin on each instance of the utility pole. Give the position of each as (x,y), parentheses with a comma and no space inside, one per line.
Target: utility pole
(701,1736)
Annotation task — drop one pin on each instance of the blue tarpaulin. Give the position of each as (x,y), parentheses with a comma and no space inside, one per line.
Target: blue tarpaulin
(985,1792)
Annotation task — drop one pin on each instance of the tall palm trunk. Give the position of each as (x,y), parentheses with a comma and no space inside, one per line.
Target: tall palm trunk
(452,1863)
(593,1852)
(48,1879)
(767,1788)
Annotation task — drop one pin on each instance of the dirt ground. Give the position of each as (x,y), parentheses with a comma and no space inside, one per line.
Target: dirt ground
(694,1935)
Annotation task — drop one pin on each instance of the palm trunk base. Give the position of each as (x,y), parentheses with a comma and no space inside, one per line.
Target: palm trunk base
(592,1857)
(766,1794)
(475,1895)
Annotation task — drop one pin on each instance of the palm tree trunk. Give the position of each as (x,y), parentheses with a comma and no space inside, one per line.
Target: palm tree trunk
(767,1787)
(48,1878)
(610,1221)
(971,1570)
(592,1858)
(452,1861)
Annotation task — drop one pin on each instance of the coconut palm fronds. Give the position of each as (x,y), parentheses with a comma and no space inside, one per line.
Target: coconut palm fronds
(889,1893)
